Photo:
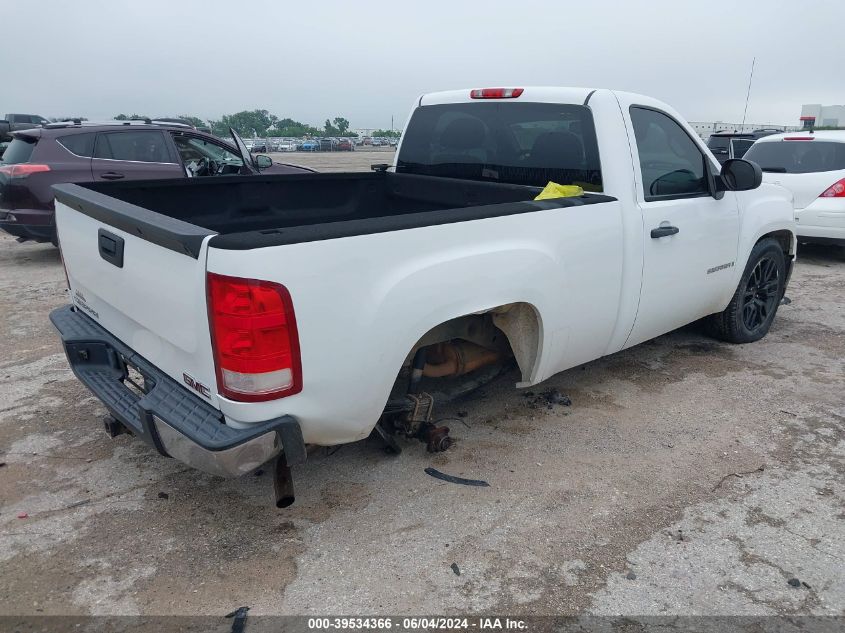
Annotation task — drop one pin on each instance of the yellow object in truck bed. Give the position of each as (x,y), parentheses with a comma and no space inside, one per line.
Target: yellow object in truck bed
(554,190)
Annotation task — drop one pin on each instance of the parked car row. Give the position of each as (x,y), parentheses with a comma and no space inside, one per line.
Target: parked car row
(325,144)
(377,141)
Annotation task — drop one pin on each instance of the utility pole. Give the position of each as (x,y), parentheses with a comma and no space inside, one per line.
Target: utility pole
(748,94)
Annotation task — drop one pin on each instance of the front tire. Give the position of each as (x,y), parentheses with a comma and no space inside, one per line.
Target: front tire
(752,309)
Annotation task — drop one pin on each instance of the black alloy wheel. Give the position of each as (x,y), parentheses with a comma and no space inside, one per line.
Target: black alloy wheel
(761,294)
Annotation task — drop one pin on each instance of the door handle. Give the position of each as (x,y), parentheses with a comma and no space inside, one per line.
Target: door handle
(111,175)
(110,247)
(664,231)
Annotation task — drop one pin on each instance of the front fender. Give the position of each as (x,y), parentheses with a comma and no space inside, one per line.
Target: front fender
(765,210)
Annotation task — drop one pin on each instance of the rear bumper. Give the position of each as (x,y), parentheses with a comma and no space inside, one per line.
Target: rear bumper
(823,232)
(165,415)
(31,224)
(824,218)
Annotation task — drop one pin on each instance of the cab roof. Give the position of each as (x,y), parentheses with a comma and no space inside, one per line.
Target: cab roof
(547,94)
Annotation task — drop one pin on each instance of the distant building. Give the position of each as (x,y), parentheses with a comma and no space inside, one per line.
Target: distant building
(817,115)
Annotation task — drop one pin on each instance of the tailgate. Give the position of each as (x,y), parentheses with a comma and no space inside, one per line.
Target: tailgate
(141,276)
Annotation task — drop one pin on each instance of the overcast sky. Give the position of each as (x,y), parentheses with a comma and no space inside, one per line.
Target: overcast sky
(368,60)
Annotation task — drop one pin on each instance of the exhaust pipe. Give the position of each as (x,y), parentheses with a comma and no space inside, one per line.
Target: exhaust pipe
(283,483)
(113,427)
(457,358)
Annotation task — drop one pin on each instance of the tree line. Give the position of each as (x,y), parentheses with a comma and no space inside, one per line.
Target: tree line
(263,123)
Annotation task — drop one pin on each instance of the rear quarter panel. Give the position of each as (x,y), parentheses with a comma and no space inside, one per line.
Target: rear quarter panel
(361,303)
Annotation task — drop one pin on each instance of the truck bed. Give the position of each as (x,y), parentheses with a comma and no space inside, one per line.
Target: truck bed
(252,212)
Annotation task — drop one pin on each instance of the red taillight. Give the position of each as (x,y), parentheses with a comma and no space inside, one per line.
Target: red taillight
(836,190)
(23,170)
(253,333)
(496,93)
(798,138)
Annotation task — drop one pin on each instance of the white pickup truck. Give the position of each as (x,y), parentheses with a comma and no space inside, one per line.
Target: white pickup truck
(231,321)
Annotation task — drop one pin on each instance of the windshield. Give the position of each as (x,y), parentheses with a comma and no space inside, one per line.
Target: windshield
(193,147)
(19,151)
(798,157)
(517,143)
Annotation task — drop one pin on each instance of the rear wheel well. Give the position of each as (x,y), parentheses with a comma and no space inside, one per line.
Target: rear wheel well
(513,328)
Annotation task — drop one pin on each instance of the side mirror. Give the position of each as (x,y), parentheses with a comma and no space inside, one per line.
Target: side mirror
(740,175)
(263,162)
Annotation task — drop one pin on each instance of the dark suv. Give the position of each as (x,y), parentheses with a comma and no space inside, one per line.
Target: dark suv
(76,152)
(726,145)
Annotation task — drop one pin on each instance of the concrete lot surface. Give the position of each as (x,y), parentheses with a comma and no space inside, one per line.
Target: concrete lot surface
(687,477)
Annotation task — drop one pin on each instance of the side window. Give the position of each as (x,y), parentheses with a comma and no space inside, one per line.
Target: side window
(145,146)
(79,144)
(671,163)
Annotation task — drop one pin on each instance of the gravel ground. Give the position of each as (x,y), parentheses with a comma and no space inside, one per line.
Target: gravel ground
(687,477)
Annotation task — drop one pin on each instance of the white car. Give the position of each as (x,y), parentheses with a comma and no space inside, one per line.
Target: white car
(231,322)
(812,166)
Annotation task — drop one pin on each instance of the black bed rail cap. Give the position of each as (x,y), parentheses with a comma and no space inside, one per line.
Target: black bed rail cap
(159,229)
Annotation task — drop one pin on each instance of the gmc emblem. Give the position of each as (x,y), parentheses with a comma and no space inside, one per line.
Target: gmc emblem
(196,385)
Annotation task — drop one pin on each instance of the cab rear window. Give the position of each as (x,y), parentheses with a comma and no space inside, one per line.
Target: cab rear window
(19,151)
(798,157)
(516,143)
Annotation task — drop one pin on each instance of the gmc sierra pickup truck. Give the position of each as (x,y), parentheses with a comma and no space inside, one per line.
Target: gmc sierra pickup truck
(231,321)
(15,122)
